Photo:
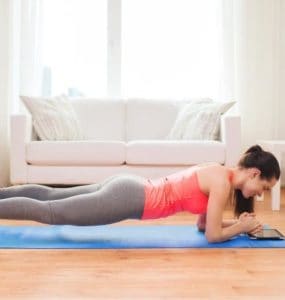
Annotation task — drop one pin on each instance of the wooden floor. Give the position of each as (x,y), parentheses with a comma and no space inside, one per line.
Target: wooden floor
(148,273)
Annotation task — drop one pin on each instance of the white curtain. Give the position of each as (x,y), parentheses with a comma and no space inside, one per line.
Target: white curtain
(9,77)
(31,73)
(19,64)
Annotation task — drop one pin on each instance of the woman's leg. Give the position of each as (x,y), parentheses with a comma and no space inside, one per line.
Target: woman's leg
(21,208)
(118,199)
(42,192)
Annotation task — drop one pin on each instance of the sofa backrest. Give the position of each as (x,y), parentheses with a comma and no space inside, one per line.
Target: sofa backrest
(101,119)
(150,119)
(129,119)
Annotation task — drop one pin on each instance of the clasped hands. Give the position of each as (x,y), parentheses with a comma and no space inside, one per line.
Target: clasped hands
(249,223)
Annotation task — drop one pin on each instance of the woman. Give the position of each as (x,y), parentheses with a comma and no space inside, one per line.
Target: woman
(203,190)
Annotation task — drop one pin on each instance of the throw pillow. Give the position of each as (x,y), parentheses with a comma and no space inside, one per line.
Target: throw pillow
(199,121)
(53,118)
(178,128)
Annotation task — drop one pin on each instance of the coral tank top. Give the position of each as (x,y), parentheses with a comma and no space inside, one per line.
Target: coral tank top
(177,192)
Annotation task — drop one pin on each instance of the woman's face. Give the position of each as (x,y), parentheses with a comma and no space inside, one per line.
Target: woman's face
(254,185)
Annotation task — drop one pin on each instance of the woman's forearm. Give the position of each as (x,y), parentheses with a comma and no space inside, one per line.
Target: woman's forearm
(201,223)
(226,233)
(228,222)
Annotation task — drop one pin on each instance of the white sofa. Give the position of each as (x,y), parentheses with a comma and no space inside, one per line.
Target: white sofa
(123,136)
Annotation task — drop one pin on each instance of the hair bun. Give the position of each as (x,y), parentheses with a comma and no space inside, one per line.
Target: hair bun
(254,149)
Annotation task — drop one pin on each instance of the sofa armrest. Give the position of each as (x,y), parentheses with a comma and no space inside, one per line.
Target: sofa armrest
(21,132)
(231,137)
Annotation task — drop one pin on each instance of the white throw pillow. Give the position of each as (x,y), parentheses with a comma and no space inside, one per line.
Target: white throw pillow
(178,128)
(53,118)
(199,121)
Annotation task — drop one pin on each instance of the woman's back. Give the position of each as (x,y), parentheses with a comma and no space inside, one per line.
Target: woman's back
(181,191)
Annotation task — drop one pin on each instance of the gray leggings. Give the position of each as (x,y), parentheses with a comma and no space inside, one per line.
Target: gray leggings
(117,198)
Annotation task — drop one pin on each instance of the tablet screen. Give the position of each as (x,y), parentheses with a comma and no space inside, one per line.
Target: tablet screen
(268,233)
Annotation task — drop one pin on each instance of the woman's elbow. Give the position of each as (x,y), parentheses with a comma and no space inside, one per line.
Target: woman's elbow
(201,227)
(212,238)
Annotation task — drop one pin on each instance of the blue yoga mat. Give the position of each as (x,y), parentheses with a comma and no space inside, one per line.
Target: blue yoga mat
(118,237)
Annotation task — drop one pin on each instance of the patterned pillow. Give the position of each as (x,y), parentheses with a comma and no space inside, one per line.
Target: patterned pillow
(53,118)
(199,121)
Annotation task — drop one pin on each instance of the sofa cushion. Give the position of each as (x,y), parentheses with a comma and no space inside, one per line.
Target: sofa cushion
(101,119)
(147,152)
(153,119)
(75,153)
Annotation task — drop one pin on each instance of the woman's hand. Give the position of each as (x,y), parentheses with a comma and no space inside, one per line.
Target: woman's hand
(201,222)
(245,215)
(249,223)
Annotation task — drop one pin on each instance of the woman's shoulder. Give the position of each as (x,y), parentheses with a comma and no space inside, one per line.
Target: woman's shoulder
(214,176)
(211,168)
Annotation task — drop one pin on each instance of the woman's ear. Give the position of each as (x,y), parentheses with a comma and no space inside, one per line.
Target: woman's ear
(254,172)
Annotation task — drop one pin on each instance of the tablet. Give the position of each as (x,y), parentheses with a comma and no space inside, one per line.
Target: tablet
(267,234)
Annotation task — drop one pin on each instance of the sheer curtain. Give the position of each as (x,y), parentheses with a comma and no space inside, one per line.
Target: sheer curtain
(9,77)
(19,53)
(74,50)
(31,50)
(63,47)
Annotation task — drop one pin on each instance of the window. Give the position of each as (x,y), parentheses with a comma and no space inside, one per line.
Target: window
(170,48)
(75,47)
(157,48)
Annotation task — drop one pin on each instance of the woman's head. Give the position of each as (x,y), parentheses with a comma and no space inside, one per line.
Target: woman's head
(260,171)
(256,157)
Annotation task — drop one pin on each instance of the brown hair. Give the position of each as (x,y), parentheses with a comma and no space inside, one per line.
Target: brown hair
(255,157)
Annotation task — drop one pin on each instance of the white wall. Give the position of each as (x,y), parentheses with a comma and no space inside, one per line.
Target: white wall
(260,69)
(9,64)
(281,112)
(257,62)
